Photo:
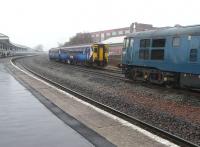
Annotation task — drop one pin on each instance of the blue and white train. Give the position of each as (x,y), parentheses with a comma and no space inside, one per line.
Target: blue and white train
(168,56)
(93,54)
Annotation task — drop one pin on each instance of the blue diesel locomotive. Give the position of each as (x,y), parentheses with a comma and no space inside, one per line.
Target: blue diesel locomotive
(93,54)
(169,56)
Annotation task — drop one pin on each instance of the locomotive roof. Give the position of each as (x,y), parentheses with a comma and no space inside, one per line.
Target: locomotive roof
(173,31)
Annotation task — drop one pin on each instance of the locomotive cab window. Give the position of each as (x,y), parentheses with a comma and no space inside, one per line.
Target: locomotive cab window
(106,49)
(127,43)
(124,43)
(131,42)
(95,49)
(193,55)
(124,46)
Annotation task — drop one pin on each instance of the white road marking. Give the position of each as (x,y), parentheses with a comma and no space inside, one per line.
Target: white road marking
(123,122)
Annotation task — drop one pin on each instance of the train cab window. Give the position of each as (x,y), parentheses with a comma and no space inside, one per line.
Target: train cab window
(124,46)
(158,43)
(131,42)
(95,49)
(106,49)
(193,55)
(127,43)
(176,42)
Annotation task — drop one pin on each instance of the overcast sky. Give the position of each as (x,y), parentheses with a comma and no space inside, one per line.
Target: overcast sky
(49,22)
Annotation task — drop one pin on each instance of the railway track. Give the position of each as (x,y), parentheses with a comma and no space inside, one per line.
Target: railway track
(97,71)
(119,76)
(173,138)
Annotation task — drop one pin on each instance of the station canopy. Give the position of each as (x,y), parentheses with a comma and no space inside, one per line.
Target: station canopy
(3,37)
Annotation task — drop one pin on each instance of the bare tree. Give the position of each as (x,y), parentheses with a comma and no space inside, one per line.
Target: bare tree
(80,38)
(38,48)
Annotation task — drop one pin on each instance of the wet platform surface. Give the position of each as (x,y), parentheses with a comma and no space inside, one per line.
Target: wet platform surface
(25,122)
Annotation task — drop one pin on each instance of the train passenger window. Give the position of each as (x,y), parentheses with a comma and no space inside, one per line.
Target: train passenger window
(158,43)
(144,43)
(176,42)
(157,54)
(193,55)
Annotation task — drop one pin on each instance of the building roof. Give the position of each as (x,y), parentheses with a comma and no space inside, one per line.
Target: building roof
(114,40)
(18,45)
(2,36)
(110,30)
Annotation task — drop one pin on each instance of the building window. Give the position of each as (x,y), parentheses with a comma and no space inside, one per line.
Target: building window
(176,42)
(114,33)
(193,55)
(120,32)
(158,43)
(157,54)
(97,35)
(93,36)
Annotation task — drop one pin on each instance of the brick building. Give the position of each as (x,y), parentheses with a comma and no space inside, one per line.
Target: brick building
(134,27)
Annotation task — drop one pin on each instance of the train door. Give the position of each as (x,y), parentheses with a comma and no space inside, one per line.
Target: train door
(95,53)
(100,53)
(123,56)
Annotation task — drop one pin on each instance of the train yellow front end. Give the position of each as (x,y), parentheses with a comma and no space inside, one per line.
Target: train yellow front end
(100,54)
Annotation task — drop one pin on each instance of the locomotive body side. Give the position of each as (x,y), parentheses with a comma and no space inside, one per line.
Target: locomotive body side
(168,56)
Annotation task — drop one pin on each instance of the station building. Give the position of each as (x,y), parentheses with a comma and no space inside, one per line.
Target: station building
(8,48)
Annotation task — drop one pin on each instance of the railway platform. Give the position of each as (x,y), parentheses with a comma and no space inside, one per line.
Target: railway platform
(68,121)
(25,122)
